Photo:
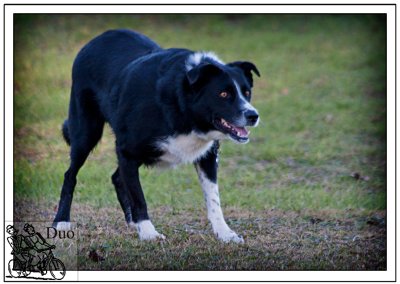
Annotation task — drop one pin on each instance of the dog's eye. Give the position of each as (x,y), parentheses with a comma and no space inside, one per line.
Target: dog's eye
(223,94)
(247,93)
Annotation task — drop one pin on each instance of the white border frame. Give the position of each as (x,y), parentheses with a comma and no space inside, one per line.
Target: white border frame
(388,275)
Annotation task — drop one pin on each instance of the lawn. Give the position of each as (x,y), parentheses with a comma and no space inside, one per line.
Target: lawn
(307,193)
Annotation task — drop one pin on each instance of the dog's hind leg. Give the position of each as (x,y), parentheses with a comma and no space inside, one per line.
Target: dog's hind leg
(123,197)
(85,128)
(206,169)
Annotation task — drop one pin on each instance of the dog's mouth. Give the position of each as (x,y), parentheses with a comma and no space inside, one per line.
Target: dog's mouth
(237,133)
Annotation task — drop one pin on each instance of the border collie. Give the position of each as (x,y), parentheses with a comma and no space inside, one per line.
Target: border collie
(166,107)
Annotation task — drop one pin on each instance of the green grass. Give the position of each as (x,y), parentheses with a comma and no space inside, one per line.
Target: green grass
(321,98)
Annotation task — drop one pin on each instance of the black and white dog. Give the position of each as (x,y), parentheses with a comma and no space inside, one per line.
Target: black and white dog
(166,107)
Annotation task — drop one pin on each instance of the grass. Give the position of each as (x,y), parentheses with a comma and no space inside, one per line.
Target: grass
(322,102)
(275,240)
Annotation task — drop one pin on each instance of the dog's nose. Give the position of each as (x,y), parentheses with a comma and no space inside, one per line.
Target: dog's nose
(251,116)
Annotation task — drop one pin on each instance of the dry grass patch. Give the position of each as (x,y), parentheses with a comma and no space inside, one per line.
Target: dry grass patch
(274,240)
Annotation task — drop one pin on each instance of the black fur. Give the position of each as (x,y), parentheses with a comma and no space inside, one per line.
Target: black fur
(65,132)
(146,94)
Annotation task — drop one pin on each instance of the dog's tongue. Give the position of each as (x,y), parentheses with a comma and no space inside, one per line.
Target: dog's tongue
(243,132)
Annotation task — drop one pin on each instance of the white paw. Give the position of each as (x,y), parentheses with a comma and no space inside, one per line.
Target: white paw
(230,236)
(63,226)
(147,231)
(151,236)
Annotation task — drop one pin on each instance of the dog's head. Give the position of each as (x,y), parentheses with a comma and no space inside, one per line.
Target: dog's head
(222,95)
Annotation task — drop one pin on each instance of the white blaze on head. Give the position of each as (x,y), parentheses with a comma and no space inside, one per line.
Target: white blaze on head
(196,58)
(246,105)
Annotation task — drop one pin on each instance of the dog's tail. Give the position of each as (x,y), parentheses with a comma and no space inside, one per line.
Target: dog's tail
(65,132)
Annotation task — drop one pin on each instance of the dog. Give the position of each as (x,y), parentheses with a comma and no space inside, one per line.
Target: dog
(166,107)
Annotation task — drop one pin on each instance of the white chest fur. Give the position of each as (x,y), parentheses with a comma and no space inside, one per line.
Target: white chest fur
(183,149)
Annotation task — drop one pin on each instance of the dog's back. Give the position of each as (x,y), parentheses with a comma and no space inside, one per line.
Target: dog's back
(98,62)
(96,67)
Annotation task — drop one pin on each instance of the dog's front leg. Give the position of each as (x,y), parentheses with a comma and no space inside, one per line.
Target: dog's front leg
(207,172)
(129,171)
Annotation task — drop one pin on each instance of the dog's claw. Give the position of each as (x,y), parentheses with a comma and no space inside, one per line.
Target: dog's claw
(240,240)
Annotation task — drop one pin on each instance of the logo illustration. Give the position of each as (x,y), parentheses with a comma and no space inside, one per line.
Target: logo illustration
(31,253)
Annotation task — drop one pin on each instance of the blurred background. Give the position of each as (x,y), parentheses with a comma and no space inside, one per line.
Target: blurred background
(315,164)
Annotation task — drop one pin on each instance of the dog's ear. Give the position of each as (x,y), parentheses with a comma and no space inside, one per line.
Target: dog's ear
(201,73)
(247,68)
